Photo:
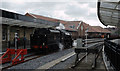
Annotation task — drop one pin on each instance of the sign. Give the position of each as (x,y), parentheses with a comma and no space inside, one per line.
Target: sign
(79,42)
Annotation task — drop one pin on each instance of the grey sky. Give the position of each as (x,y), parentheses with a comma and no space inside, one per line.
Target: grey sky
(65,10)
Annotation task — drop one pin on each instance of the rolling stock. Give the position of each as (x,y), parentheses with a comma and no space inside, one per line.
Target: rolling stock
(47,39)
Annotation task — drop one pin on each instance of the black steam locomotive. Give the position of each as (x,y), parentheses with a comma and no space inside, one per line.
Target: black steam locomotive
(47,39)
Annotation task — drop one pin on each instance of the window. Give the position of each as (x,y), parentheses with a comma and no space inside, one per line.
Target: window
(72,26)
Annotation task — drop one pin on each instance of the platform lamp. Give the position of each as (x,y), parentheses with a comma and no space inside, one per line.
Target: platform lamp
(86,34)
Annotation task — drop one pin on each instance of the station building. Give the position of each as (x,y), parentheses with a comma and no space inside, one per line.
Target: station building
(24,26)
(70,26)
(93,31)
(76,28)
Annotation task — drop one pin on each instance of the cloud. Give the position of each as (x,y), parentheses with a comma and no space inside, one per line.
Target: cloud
(76,11)
(48,0)
(66,10)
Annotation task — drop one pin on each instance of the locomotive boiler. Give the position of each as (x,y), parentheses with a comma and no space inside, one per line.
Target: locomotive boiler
(47,39)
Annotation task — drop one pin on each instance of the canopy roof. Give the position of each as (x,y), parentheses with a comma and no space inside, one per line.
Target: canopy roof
(109,12)
(14,19)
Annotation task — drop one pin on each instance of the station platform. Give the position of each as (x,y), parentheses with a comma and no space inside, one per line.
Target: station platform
(86,64)
(63,60)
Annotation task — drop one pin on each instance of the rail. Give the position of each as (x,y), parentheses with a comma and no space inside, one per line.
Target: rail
(95,49)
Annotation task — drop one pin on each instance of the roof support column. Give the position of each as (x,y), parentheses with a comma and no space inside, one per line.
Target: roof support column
(8,36)
(0,37)
(34,30)
(24,37)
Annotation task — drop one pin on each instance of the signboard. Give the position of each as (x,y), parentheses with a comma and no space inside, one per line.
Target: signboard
(79,43)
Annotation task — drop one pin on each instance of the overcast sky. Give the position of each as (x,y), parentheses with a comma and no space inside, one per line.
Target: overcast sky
(69,10)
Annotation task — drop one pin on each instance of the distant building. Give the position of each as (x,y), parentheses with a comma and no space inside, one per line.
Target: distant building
(97,31)
(76,28)
(93,31)
(113,30)
(70,26)
(25,25)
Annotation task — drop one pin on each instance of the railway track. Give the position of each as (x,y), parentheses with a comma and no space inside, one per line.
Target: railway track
(27,58)
(80,60)
(34,56)
(86,54)
(94,41)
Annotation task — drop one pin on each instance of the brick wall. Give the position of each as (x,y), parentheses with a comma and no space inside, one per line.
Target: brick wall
(74,34)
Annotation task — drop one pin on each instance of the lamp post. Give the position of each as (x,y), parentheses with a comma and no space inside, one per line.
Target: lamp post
(86,34)
(86,40)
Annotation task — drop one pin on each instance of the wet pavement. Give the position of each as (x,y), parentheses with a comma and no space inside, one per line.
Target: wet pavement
(86,64)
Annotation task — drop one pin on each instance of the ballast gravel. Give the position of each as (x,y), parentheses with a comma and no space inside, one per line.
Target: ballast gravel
(35,63)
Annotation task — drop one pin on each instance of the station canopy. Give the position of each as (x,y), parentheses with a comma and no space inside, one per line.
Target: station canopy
(109,12)
(14,19)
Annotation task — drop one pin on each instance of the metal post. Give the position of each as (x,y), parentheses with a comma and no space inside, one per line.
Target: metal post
(86,39)
(8,37)
(24,39)
(83,42)
(16,46)
(94,61)
(77,58)
(33,30)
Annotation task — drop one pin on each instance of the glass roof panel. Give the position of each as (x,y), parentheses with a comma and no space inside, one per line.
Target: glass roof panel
(108,5)
(109,12)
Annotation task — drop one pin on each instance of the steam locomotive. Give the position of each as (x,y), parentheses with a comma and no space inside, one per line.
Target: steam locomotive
(47,39)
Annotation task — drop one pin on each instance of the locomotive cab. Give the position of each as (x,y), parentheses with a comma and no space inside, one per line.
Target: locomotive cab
(66,39)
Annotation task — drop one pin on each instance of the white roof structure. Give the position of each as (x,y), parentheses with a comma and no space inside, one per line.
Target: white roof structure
(109,12)
(61,26)
(55,31)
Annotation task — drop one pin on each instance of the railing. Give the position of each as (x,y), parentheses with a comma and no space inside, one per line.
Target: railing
(112,51)
(89,41)
(95,48)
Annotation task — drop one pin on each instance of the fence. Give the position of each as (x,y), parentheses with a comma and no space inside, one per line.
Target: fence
(112,51)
